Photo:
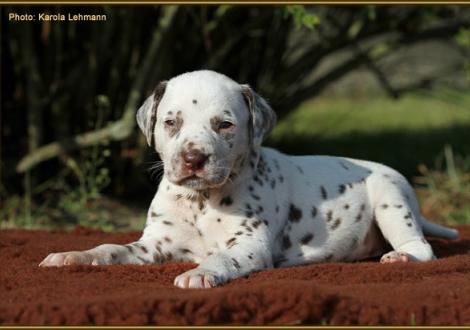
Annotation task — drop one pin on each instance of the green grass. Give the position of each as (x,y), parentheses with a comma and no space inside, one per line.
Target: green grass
(401,133)
(337,117)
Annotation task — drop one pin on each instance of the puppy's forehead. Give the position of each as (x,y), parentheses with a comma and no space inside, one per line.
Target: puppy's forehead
(203,91)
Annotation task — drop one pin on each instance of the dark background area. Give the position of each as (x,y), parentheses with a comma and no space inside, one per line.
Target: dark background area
(70,90)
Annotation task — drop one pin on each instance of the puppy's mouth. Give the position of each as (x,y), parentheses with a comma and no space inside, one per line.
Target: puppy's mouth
(198,181)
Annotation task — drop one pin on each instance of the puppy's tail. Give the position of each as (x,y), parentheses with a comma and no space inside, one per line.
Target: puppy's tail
(433,229)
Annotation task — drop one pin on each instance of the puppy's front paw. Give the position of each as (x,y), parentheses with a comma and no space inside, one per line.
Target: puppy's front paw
(68,258)
(198,278)
(394,256)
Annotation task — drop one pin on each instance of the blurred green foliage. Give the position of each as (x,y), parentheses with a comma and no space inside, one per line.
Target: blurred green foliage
(302,18)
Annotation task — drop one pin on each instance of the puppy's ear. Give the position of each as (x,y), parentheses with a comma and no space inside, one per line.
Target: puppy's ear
(262,116)
(147,113)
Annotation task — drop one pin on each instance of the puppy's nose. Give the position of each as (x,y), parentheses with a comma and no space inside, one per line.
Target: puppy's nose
(194,159)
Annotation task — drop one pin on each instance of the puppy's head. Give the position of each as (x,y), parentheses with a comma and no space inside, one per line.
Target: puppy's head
(204,125)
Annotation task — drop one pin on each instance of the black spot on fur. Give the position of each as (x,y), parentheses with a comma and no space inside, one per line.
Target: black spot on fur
(258,180)
(281,179)
(279,261)
(277,208)
(341,188)
(218,220)
(314,212)
(324,194)
(266,223)
(256,197)
(236,264)
(346,206)
(167,239)
(295,214)
(155,215)
(329,216)
(306,238)
(300,169)
(363,207)
(238,233)
(227,201)
(286,243)
(350,185)
(143,248)
(249,214)
(344,166)
(256,223)
(336,224)
(194,101)
(359,217)
(143,260)
(113,256)
(398,206)
(231,242)
(168,223)
(408,215)
(186,251)
(384,206)
(129,248)
(409,224)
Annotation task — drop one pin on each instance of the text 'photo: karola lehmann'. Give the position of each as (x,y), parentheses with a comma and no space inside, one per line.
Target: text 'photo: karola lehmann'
(44,17)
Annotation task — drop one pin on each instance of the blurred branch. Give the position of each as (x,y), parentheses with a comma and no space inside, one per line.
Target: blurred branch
(118,130)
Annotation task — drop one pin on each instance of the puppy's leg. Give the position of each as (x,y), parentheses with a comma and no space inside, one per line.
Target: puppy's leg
(161,240)
(240,257)
(399,224)
(138,253)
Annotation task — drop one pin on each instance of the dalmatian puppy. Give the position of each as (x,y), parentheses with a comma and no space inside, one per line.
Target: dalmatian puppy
(234,207)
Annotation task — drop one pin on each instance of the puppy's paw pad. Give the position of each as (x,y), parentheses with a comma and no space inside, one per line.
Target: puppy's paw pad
(394,256)
(197,279)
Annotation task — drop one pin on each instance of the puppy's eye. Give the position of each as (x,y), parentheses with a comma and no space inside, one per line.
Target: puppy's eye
(169,122)
(225,125)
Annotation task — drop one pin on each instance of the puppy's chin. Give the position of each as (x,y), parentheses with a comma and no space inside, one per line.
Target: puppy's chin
(201,183)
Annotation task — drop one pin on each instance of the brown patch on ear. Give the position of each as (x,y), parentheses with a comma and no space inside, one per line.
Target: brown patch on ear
(248,97)
(157,97)
(262,117)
